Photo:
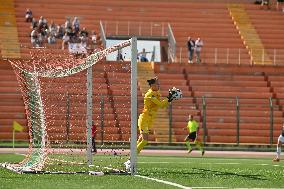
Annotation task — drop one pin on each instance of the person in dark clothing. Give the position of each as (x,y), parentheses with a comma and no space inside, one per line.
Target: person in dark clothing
(190,46)
(29,15)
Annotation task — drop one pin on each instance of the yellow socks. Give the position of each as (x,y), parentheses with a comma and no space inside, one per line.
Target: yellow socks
(198,145)
(141,145)
(188,145)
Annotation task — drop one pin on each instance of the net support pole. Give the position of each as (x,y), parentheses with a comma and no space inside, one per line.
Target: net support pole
(89,115)
(238,119)
(271,120)
(133,148)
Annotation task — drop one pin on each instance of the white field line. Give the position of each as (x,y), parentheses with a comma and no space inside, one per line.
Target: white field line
(208,187)
(164,182)
(172,183)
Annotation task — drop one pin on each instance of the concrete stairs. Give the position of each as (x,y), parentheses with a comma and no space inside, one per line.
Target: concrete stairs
(9,43)
(249,35)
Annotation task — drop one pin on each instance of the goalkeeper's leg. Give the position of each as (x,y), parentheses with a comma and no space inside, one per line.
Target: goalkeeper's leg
(143,123)
(143,142)
(139,139)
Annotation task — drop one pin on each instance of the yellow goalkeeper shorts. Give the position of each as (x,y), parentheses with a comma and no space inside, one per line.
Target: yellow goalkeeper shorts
(145,123)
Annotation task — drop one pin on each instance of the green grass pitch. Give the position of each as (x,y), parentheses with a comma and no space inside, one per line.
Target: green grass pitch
(186,171)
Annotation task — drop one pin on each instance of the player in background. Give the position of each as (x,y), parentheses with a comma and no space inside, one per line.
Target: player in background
(279,144)
(193,129)
(152,103)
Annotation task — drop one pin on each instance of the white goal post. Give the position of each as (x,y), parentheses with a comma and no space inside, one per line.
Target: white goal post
(133,147)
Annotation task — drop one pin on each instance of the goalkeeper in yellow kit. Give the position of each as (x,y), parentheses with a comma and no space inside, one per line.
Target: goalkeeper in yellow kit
(193,128)
(152,103)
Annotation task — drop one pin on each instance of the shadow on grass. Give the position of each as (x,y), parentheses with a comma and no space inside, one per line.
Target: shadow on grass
(204,173)
(225,173)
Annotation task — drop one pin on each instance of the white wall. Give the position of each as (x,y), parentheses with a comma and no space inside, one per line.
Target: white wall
(148,45)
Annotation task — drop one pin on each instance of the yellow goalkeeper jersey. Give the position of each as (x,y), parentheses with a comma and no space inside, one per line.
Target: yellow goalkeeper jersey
(152,102)
(192,126)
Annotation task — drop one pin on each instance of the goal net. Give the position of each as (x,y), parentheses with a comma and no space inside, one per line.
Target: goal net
(72,103)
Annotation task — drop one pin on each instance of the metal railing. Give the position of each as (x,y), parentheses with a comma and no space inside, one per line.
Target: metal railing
(102,34)
(235,56)
(128,28)
(171,44)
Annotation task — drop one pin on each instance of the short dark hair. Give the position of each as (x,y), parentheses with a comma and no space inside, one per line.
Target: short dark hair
(151,81)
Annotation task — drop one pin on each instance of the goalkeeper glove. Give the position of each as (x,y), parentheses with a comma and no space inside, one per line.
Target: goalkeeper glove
(170,96)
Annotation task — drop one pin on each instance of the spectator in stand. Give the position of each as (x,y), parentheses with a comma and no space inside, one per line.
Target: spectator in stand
(53,28)
(94,38)
(265,3)
(43,27)
(76,25)
(29,15)
(143,56)
(198,47)
(40,39)
(51,38)
(84,32)
(60,31)
(68,25)
(91,43)
(71,34)
(84,37)
(34,23)
(42,23)
(119,55)
(190,47)
(35,38)
(65,40)
(75,38)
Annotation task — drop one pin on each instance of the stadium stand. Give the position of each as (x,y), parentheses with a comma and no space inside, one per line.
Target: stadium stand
(220,85)
(269,29)
(10,47)
(11,104)
(249,35)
